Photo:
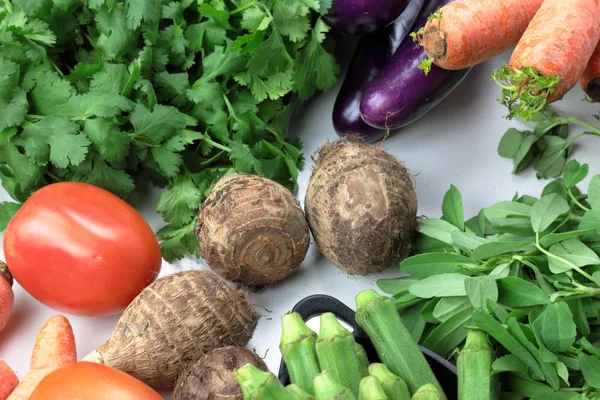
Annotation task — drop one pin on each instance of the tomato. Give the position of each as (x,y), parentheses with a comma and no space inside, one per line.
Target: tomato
(90,381)
(81,250)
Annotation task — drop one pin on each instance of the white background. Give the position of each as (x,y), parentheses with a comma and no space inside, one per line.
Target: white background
(454,144)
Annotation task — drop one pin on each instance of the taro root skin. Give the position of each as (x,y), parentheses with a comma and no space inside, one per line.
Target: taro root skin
(361,206)
(211,377)
(252,230)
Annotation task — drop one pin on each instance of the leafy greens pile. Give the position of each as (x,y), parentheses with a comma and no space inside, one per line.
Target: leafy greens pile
(525,271)
(178,93)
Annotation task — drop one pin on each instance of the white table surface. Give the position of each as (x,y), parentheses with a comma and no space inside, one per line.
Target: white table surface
(454,144)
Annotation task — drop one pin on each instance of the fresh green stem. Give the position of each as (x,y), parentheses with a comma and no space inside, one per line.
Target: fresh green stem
(560,259)
(8,6)
(54,177)
(229,106)
(243,8)
(327,388)
(371,389)
(577,203)
(259,385)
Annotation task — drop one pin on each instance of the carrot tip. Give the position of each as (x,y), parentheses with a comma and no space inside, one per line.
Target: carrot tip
(426,64)
(526,88)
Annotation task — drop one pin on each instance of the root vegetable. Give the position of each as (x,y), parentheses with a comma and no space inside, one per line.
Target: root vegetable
(211,377)
(54,348)
(252,230)
(551,55)
(469,32)
(8,380)
(590,81)
(7,297)
(361,206)
(173,322)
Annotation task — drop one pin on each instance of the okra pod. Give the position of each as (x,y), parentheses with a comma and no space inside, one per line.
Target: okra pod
(363,360)
(336,352)
(327,388)
(428,392)
(394,344)
(259,385)
(298,350)
(474,365)
(394,387)
(371,389)
(297,393)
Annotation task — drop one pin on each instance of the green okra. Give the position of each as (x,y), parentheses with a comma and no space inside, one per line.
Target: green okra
(327,388)
(394,387)
(337,353)
(428,392)
(474,365)
(298,350)
(371,389)
(257,384)
(378,316)
(363,360)
(297,393)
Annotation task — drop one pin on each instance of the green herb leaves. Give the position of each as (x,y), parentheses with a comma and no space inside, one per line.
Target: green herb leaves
(525,271)
(179,93)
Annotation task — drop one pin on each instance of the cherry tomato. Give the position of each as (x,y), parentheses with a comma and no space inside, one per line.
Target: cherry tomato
(90,381)
(81,250)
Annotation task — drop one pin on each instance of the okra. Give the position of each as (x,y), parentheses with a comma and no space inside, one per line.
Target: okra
(363,360)
(371,389)
(259,385)
(474,365)
(298,350)
(297,393)
(394,387)
(327,388)
(428,392)
(336,352)
(394,344)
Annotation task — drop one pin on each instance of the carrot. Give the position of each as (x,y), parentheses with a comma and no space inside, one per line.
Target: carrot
(551,56)
(590,81)
(54,347)
(467,32)
(7,297)
(8,380)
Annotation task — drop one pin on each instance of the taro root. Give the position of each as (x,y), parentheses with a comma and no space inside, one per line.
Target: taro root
(173,322)
(252,230)
(361,206)
(211,377)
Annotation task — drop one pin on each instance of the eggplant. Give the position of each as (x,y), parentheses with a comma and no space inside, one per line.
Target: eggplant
(402,93)
(371,55)
(359,17)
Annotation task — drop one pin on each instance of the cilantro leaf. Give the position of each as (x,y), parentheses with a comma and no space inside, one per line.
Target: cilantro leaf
(159,124)
(255,19)
(13,110)
(178,241)
(291,19)
(269,58)
(315,67)
(50,93)
(180,201)
(116,37)
(110,142)
(106,177)
(37,136)
(67,149)
(142,10)
(205,34)
(94,103)
(111,79)
(7,211)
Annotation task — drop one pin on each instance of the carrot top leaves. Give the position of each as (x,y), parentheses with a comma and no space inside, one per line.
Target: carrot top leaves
(525,87)
(426,64)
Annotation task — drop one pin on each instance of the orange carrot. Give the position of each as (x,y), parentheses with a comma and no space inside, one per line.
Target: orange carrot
(590,81)
(54,347)
(7,297)
(551,56)
(8,380)
(467,32)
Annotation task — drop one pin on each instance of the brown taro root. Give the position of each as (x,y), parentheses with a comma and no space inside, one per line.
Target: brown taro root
(173,322)
(211,377)
(361,206)
(252,230)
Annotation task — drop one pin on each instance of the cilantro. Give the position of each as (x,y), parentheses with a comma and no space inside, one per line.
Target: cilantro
(179,93)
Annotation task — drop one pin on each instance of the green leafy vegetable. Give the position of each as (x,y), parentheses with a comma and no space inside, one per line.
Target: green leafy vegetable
(178,93)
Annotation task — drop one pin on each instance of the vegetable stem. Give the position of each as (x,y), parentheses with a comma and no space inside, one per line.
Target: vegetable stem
(259,385)
(327,388)
(394,387)
(371,389)
(577,203)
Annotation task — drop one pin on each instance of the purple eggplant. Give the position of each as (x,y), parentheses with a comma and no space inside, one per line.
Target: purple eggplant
(359,17)
(402,93)
(371,55)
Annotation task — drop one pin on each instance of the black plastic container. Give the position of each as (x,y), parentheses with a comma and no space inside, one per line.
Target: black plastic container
(315,305)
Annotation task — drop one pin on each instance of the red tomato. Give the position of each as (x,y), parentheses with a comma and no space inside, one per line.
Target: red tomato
(81,250)
(89,381)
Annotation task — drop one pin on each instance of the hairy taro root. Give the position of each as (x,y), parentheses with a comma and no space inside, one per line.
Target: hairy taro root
(252,230)
(211,377)
(361,206)
(172,323)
